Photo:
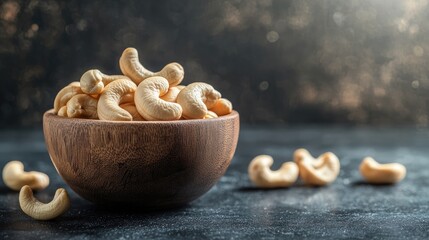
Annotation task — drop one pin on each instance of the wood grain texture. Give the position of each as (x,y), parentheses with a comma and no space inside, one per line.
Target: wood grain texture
(149,164)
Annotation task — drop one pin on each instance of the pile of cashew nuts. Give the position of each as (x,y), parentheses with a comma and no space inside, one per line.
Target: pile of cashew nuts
(17,179)
(318,171)
(139,94)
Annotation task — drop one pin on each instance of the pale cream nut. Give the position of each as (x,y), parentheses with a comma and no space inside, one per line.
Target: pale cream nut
(318,172)
(210,114)
(64,96)
(131,108)
(15,177)
(377,173)
(196,99)
(171,95)
(82,106)
(127,98)
(108,104)
(262,176)
(63,111)
(43,211)
(150,105)
(130,66)
(94,81)
(222,107)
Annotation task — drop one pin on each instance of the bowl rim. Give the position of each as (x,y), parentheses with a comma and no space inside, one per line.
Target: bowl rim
(50,114)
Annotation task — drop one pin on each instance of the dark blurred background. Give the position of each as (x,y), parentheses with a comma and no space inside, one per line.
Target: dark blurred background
(279,62)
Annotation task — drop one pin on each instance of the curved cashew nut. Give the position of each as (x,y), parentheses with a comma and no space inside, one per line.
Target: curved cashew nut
(93,81)
(43,211)
(108,104)
(262,176)
(64,96)
(210,114)
(196,98)
(130,66)
(171,95)
(320,171)
(14,177)
(377,173)
(131,108)
(222,107)
(63,111)
(150,105)
(82,106)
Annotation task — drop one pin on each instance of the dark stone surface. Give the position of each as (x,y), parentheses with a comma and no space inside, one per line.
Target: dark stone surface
(234,209)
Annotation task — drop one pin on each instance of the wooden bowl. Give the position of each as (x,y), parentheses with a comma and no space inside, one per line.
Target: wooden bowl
(149,164)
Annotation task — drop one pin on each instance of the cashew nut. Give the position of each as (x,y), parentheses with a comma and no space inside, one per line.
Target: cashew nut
(131,108)
(130,66)
(262,176)
(196,98)
(320,171)
(171,95)
(43,211)
(210,114)
(82,106)
(63,111)
(64,96)
(108,104)
(222,107)
(93,81)
(127,98)
(150,105)
(377,173)
(14,177)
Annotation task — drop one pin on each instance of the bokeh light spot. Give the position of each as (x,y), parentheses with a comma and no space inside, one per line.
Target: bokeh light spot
(273,36)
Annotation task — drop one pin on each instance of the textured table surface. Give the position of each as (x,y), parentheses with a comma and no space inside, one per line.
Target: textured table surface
(234,209)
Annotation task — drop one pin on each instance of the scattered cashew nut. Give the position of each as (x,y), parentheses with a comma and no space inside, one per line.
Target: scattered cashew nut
(318,172)
(82,106)
(150,105)
(64,96)
(377,173)
(43,211)
(108,104)
(130,66)
(262,176)
(15,177)
(93,81)
(196,98)
(222,107)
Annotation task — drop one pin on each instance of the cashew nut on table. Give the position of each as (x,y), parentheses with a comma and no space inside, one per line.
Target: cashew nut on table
(43,211)
(15,177)
(262,176)
(137,96)
(317,171)
(377,173)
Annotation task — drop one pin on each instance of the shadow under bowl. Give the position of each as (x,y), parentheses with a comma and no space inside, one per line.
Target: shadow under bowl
(150,164)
